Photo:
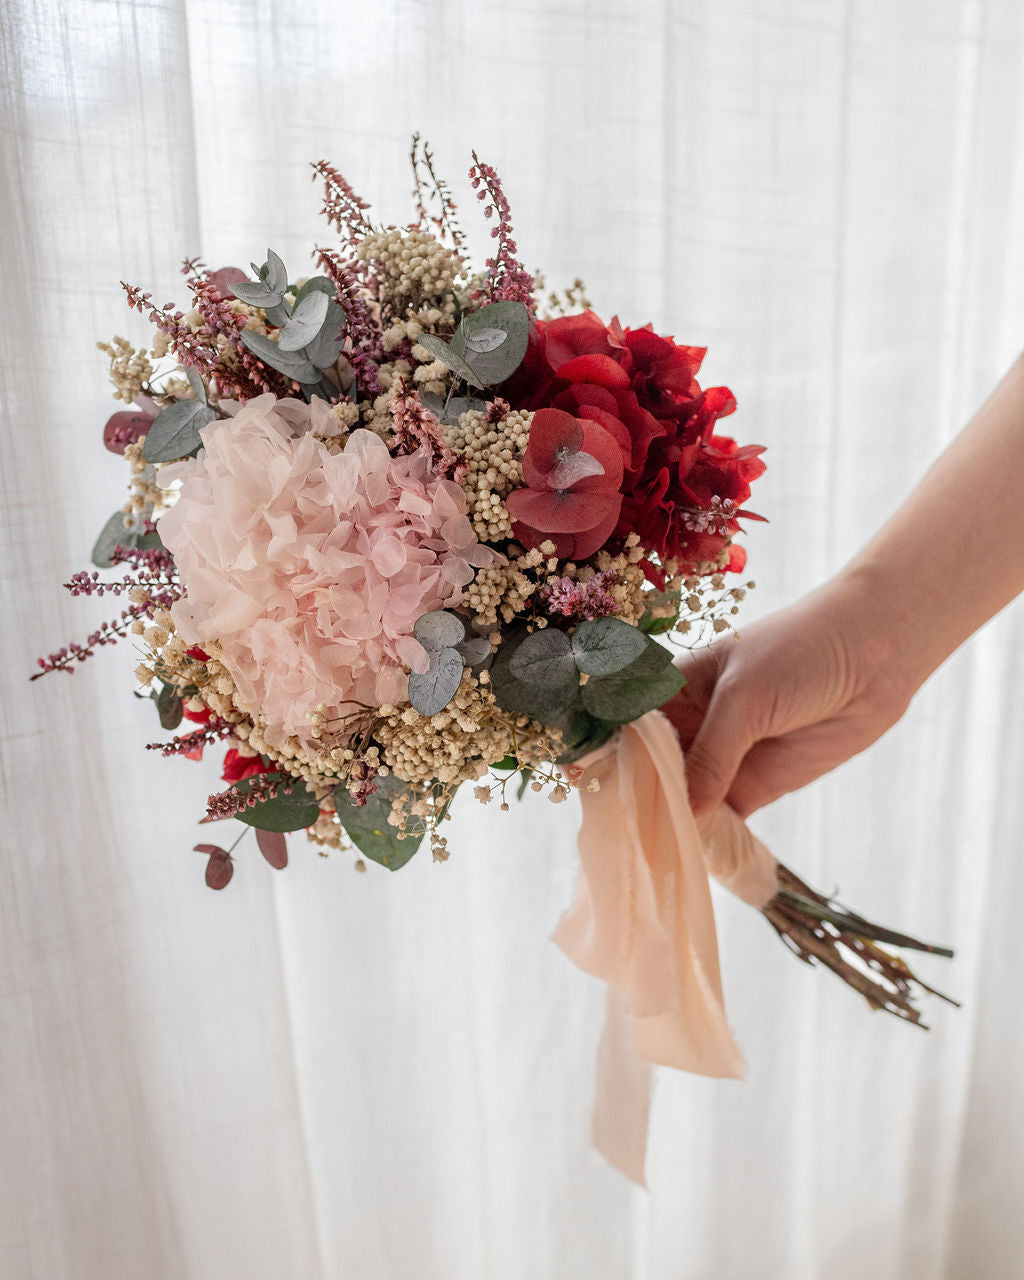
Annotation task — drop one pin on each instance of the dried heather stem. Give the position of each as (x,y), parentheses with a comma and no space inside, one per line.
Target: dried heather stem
(848,945)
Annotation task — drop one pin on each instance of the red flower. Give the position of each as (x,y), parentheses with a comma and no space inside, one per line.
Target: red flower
(237,766)
(683,486)
(573,470)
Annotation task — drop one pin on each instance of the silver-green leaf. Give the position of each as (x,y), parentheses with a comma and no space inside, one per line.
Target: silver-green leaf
(325,348)
(305,322)
(291,364)
(485,339)
(175,431)
(493,363)
(453,360)
(606,645)
(439,629)
(431,691)
(544,659)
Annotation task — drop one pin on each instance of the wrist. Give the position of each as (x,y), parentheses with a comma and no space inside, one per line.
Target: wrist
(881,633)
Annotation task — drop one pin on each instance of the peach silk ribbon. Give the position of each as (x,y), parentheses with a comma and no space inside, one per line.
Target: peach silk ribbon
(643,922)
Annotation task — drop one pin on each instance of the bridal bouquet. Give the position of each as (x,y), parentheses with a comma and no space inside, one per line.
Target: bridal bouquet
(401,525)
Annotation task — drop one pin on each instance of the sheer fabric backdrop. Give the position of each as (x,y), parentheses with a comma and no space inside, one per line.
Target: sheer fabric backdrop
(316,1074)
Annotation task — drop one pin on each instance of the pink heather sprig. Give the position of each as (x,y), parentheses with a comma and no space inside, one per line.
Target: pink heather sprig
(195,267)
(445,220)
(364,335)
(343,209)
(191,347)
(89,584)
(185,743)
(108,633)
(247,376)
(583,601)
(262,786)
(152,560)
(415,427)
(507,280)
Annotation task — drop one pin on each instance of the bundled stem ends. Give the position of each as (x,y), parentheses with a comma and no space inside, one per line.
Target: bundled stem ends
(819,932)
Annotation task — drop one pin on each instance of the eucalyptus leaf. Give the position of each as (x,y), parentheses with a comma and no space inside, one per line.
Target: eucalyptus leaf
(475,650)
(286,812)
(175,431)
(169,706)
(255,294)
(439,629)
(544,659)
(291,364)
(325,348)
(606,645)
(278,314)
(368,828)
(647,683)
(112,535)
(449,411)
(580,733)
(432,690)
(268,289)
(315,284)
(443,351)
(305,323)
(485,339)
(196,383)
(274,273)
(512,694)
(492,365)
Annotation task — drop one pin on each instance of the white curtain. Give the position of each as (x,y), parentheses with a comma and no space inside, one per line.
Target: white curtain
(321,1075)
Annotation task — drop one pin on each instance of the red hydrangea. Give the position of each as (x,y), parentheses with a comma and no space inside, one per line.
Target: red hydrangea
(642,389)
(573,470)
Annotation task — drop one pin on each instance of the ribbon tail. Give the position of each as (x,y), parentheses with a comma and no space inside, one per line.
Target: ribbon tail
(643,921)
(622,1103)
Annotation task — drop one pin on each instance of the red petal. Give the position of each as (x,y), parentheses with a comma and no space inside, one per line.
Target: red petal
(570,512)
(603,370)
(551,430)
(529,537)
(571,336)
(605,448)
(615,427)
(592,540)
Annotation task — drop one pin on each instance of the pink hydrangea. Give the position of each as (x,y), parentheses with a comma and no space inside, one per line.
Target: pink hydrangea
(309,567)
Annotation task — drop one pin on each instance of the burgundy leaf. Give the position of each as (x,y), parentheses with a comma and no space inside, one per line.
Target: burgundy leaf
(124,428)
(223,279)
(274,848)
(219,872)
(220,868)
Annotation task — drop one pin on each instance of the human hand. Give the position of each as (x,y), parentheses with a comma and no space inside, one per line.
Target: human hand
(797,694)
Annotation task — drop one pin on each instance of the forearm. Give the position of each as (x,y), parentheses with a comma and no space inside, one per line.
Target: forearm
(953,554)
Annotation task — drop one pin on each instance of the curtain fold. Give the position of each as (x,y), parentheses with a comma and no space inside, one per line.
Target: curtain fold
(318,1074)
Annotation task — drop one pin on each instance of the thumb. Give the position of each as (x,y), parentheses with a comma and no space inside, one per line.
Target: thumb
(714,758)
